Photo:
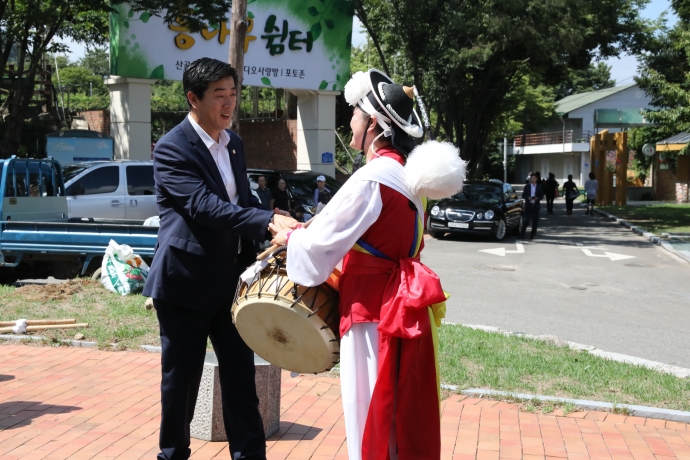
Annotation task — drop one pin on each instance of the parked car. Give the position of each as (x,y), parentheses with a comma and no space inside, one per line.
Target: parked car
(38,240)
(300,185)
(120,189)
(489,207)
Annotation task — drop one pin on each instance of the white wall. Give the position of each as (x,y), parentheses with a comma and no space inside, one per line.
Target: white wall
(631,98)
(559,164)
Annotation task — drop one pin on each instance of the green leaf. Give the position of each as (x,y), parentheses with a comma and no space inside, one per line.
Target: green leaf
(316,30)
(126,24)
(330,24)
(158,73)
(130,14)
(337,77)
(313,11)
(335,86)
(266,81)
(250,15)
(323,85)
(145,16)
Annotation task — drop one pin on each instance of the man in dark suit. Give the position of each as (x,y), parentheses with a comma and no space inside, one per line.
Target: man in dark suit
(533,193)
(207,218)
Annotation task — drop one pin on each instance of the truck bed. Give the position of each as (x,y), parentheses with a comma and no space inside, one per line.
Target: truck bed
(72,245)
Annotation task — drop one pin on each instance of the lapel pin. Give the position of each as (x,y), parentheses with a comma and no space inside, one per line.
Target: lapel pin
(233,151)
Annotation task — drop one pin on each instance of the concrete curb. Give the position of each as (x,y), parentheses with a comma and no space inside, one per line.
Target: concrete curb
(649,236)
(637,411)
(73,343)
(151,348)
(676,371)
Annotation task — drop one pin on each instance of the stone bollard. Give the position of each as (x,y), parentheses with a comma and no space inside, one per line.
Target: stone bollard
(207,423)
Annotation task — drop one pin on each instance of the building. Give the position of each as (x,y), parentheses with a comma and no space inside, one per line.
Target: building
(563,147)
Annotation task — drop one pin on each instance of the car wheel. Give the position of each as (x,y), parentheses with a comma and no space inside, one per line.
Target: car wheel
(518,229)
(437,235)
(501,230)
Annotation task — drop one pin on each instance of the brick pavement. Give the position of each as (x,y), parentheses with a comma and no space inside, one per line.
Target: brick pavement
(72,403)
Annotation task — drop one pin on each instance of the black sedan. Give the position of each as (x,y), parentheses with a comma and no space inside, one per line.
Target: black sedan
(489,207)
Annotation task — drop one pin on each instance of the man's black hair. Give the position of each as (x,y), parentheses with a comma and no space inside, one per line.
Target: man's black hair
(202,72)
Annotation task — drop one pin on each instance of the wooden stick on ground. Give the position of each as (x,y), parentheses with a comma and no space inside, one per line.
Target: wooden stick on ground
(39,322)
(46,327)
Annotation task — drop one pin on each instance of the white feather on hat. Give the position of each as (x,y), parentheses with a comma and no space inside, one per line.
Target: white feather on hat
(435,170)
(358,87)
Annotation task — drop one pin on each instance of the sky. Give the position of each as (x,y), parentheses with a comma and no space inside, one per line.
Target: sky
(623,68)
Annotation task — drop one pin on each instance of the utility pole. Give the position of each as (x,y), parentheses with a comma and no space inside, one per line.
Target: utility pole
(505,160)
(238,32)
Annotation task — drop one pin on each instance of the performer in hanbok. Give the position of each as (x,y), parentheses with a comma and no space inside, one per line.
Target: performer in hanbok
(390,303)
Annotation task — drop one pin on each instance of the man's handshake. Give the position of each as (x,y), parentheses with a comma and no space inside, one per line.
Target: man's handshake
(281,221)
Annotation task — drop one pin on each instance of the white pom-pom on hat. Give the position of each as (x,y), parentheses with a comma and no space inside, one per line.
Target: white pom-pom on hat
(435,170)
(358,87)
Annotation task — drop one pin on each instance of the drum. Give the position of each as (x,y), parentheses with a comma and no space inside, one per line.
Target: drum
(290,326)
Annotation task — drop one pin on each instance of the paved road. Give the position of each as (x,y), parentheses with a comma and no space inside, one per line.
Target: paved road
(637,306)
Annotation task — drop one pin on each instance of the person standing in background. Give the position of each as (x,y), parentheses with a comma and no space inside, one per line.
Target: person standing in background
(264,193)
(320,187)
(532,194)
(550,189)
(298,214)
(571,192)
(591,188)
(281,197)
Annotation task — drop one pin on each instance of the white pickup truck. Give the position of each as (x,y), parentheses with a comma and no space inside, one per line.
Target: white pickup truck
(120,189)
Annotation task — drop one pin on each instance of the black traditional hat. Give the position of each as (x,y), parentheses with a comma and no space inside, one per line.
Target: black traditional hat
(392,104)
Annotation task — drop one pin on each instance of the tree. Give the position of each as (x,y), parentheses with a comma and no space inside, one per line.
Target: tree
(97,61)
(28,27)
(467,57)
(79,79)
(592,78)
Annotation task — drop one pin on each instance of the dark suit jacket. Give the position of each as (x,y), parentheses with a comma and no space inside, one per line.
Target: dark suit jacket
(196,264)
(527,193)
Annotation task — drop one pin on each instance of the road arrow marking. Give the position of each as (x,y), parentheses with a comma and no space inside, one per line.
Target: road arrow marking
(611,255)
(502,251)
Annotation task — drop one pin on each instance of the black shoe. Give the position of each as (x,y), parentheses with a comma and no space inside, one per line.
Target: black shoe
(531,237)
(522,236)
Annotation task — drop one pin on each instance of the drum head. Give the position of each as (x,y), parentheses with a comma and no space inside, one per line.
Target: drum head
(289,337)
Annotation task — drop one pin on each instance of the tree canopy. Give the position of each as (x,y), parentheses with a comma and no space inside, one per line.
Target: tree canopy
(27,32)
(470,58)
(593,77)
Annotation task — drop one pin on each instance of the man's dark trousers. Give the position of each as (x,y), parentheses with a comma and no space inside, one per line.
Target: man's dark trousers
(184,334)
(531,214)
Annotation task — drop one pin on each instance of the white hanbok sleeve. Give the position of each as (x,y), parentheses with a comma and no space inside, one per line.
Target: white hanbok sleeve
(314,252)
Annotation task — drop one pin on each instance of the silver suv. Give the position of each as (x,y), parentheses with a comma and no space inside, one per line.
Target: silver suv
(120,189)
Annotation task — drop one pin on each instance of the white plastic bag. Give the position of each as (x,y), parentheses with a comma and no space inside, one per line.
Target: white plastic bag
(154,221)
(123,272)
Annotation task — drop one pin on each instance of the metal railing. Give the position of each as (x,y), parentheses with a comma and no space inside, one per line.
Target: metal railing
(555,137)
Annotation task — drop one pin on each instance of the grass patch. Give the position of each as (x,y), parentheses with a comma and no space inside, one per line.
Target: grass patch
(658,218)
(112,319)
(471,358)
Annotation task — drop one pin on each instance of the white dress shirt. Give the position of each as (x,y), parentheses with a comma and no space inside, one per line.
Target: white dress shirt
(534,191)
(221,156)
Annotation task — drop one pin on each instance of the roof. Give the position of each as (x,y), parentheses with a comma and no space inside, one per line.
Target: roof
(576,101)
(680,138)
